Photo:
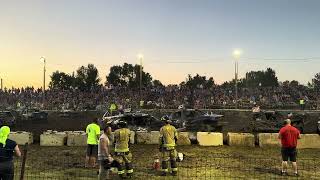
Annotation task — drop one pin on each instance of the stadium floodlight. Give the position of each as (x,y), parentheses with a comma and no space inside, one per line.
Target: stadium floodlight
(236,55)
(43,59)
(140,57)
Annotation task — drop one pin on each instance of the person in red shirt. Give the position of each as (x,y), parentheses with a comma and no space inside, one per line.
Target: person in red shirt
(289,136)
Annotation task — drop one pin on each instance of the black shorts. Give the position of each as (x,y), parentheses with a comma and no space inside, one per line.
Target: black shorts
(289,153)
(92,150)
(6,170)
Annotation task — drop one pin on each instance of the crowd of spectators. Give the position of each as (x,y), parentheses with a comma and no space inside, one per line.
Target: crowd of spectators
(169,97)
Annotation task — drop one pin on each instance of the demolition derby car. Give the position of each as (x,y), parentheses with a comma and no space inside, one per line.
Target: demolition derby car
(136,121)
(183,120)
(272,121)
(7,118)
(195,120)
(34,115)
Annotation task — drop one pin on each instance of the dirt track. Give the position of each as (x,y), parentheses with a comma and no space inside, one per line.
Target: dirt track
(237,121)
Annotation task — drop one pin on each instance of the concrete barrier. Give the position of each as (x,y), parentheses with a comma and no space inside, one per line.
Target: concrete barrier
(183,138)
(53,138)
(21,137)
(144,137)
(77,138)
(268,139)
(240,139)
(210,139)
(309,141)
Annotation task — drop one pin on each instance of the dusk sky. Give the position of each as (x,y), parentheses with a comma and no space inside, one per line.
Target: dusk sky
(177,37)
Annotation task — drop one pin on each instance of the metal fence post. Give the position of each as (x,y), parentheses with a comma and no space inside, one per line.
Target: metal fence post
(24,158)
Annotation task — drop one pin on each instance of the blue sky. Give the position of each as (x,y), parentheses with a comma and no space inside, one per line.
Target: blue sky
(177,37)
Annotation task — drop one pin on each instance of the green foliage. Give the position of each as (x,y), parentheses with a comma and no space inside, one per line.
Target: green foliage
(266,78)
(128,75)
(87,79)
(61,80)
(198,82)
(316,82)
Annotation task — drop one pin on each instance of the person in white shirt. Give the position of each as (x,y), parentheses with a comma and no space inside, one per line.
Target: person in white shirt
(104,156)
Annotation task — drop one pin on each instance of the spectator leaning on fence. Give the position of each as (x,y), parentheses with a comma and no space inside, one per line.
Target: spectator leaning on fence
(104,154)
(93,134)
(8,148)
(289,136)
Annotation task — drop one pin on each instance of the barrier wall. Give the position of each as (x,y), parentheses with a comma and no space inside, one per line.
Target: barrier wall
(53,138)
(21,137)
(183,139)
(210,139)
(309,141)
(144,137)
(268,139)
(241,139)
(76,138)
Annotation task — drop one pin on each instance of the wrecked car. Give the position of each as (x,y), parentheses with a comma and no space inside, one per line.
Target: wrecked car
(136,121)
(272,121)
(7,118)
(196,120)
(34,115)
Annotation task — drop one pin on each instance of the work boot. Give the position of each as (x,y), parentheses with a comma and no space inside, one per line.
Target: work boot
(163,173)
(174,173)
(129,175)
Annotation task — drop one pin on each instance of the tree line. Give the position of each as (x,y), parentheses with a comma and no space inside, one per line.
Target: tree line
(127,75)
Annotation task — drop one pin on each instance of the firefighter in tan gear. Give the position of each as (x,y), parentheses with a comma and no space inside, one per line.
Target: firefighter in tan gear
(168,138)
(123,157)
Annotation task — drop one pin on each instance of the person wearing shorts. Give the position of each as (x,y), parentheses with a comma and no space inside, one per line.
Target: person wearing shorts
(93,134)
(104,154)
(289,136)
(8,148)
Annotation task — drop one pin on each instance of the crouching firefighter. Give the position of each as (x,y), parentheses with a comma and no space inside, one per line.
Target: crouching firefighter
(168,138)
(123,157)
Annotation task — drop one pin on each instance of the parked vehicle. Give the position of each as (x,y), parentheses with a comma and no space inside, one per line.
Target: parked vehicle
(7,118)
(136,121)
(272,121)
(196,120)
(34,115)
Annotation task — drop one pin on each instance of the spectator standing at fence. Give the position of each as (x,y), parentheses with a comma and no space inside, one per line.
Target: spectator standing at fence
(123,156)
(168,138)
(8,148)
(93,135)
(289,136)
(104,154)
(302,103)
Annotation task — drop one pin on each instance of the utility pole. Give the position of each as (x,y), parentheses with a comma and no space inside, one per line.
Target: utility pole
(140,57)
(1,85)
(44,80)
(236,54)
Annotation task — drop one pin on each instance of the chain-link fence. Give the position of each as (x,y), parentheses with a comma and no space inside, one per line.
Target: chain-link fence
(211,166)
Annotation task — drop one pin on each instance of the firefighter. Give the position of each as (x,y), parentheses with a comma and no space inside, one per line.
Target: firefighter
(168,138)
(123,156)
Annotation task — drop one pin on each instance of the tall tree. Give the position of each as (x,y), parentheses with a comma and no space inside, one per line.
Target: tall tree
(87,78)
(128,75)
(316,82)
(61,80)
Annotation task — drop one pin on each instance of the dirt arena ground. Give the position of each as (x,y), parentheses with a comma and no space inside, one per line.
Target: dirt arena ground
(199,163)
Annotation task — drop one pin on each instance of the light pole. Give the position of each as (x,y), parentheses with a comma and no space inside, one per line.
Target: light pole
(236,55)
(43,59)
(1,84)
(140,57)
